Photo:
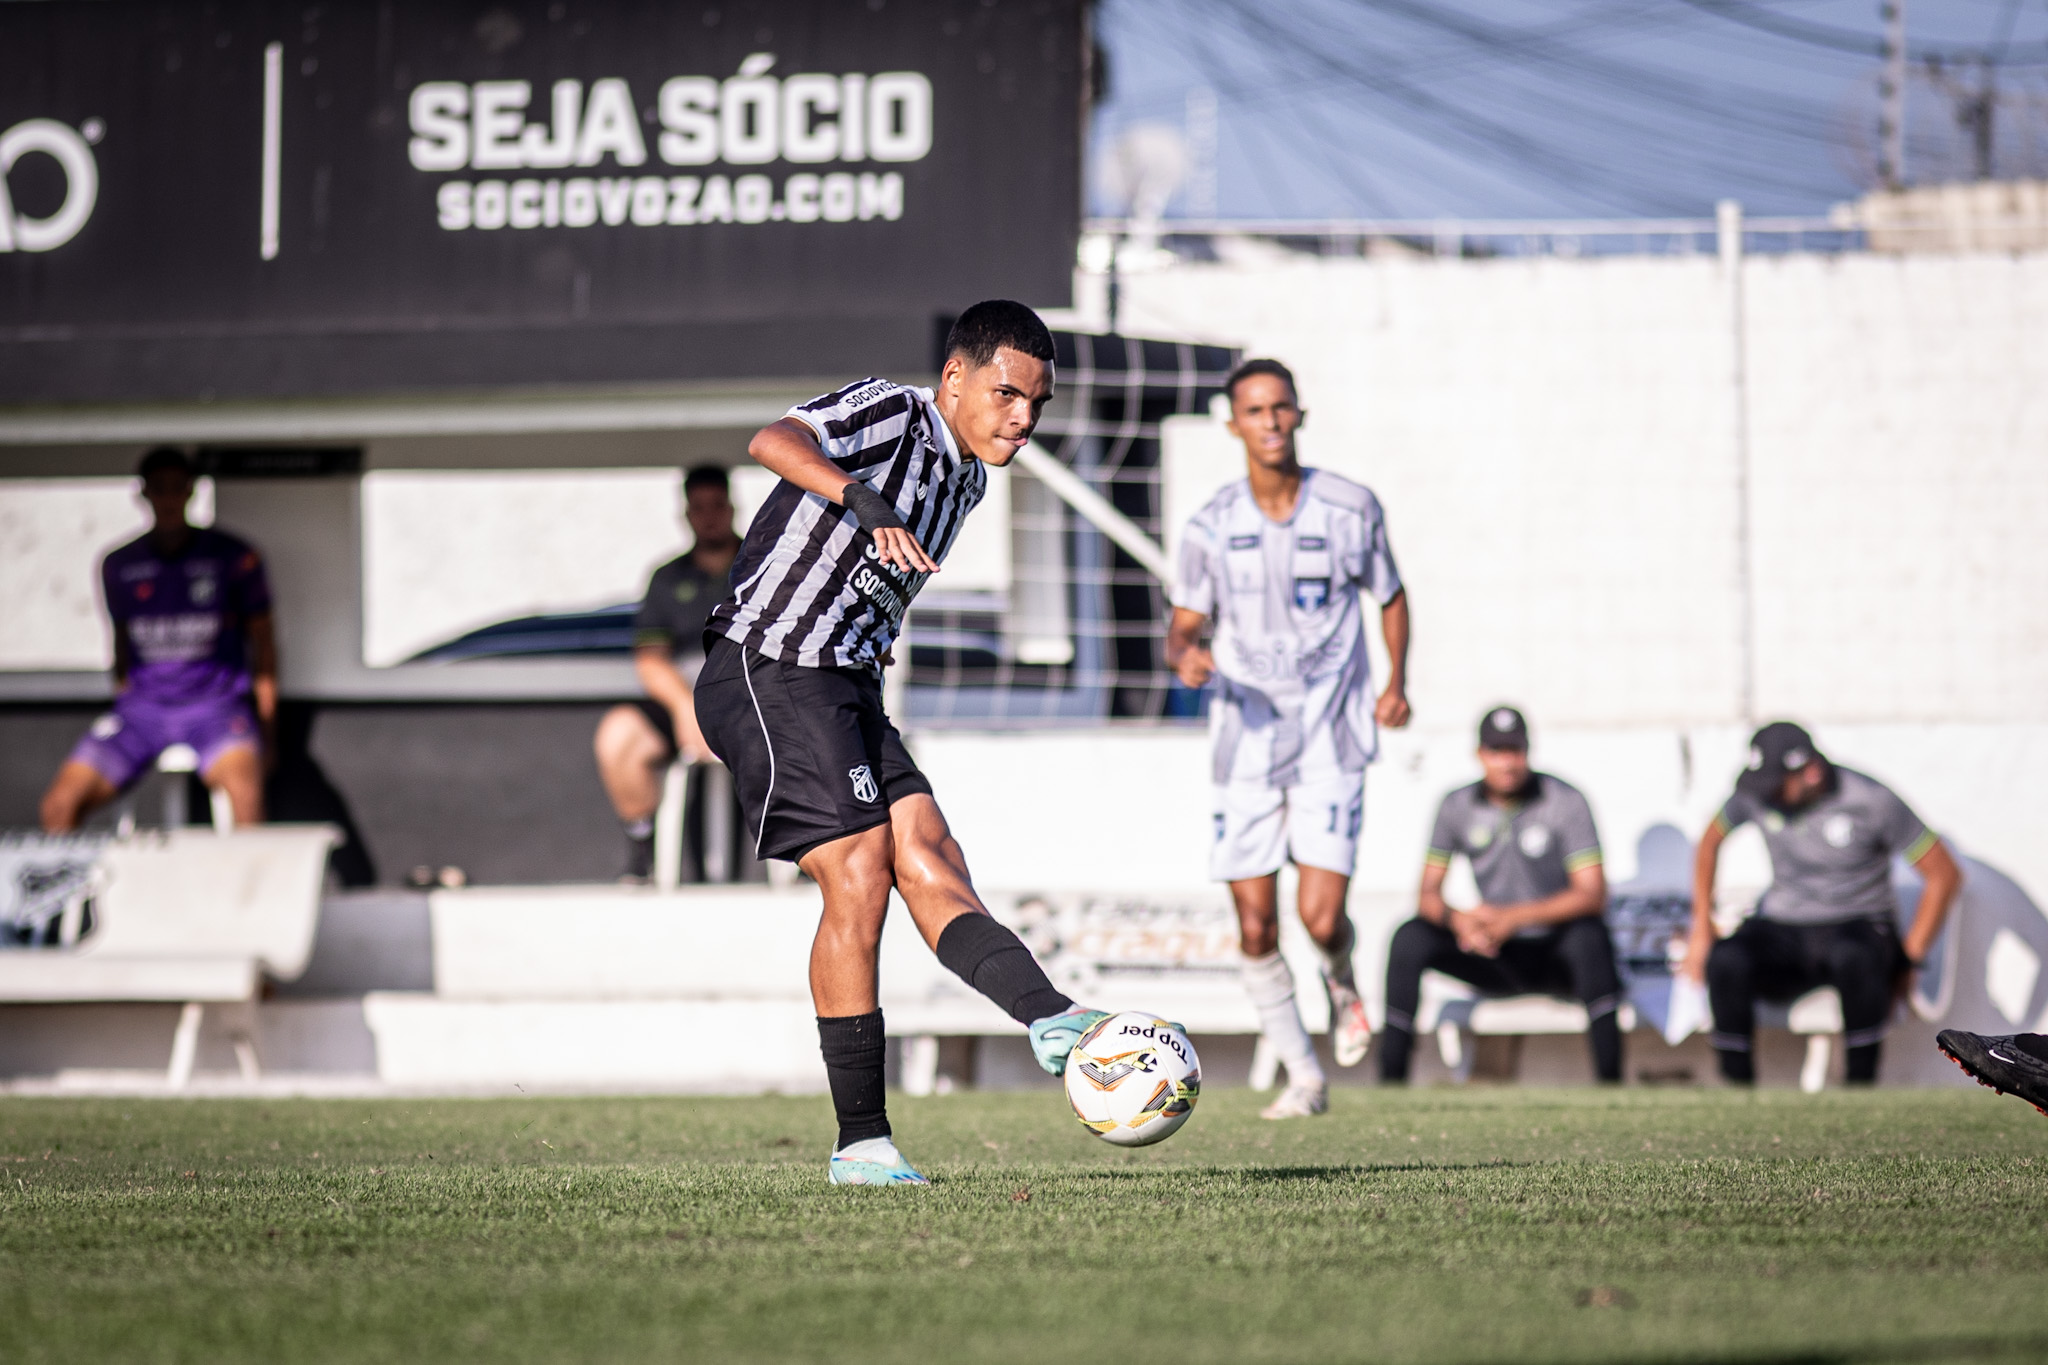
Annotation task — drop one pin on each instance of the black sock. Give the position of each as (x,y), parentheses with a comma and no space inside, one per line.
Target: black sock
(995,962)
(1860,1064)
(853,1048)
(639,847)
(1736,1066)
(1604,1036)
(1394,1044)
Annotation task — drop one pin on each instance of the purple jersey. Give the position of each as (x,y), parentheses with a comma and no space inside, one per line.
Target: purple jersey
(185,620)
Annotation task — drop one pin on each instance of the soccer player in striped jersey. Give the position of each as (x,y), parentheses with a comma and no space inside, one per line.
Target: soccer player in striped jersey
(1277,561)
(876,481)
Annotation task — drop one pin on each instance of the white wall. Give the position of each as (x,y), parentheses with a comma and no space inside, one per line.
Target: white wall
(53,533)
(1555,444)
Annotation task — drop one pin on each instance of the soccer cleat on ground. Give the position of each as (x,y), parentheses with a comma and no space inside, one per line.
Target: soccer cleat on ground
(2016,1064)
(874,1161)
(1350,1034)
(1298,1102)
(1054,1036)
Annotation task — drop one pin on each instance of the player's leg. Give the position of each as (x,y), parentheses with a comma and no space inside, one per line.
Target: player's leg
(110,755)
(853,873)
(1761,960)
(1270,983)
(1417,947)
(1323,827)
(790,736)
(224,736)
(632,749)
(930,873)
(238,771)
(77,791)
(1585,952)
(1861,961)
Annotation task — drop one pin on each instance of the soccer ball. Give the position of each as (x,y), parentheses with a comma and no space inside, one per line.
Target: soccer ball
(1133,1079)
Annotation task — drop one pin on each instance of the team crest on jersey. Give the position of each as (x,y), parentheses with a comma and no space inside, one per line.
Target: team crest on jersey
(1839,830)
(1535,841)
(1479,836)
(202,590)
(1311,593)
(864,788)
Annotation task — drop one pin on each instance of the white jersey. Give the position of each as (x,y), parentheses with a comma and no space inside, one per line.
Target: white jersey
(1296,701)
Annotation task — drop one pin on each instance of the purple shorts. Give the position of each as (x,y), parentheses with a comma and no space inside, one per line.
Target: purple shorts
(121,745)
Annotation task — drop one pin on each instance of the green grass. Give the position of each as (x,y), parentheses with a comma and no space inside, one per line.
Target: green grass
(1427,1225)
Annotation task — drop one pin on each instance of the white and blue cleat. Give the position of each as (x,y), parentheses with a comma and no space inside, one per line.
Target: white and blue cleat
(1054,1037)
(873,1161)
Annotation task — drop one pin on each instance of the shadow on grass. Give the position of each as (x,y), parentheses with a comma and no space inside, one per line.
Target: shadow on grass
(1273,1175)
(2027,1348)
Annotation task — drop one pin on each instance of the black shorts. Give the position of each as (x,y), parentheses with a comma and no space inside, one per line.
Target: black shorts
(812,755)
(659,716)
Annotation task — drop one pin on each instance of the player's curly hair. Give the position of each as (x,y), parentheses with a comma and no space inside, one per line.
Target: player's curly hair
(992,324)
(1251,367)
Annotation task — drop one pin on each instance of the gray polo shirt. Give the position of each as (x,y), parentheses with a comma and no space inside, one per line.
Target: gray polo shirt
(1523,851)
(1831,860)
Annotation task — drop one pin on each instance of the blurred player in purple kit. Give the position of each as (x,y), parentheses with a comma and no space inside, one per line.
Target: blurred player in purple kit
(195,661)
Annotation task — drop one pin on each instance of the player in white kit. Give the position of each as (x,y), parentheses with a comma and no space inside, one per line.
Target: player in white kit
(1276,561)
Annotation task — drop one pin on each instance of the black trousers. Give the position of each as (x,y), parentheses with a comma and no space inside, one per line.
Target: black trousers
(1575,958)
(1768,960)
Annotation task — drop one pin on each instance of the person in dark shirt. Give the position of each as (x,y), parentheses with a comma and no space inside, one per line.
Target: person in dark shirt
(638,739)
(193,649)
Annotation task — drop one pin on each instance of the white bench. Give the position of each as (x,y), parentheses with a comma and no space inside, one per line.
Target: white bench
(184,916)
(1456,1015)
(624,987)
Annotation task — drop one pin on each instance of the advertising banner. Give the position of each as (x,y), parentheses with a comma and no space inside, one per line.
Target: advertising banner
(267,199)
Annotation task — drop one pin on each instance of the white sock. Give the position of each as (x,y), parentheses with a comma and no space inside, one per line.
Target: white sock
(1271,986)
(882,1151)
(1337,960)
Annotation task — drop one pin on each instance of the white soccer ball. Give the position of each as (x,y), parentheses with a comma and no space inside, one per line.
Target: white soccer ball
(1133,1079)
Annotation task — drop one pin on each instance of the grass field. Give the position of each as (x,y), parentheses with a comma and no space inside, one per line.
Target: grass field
(1426,1225)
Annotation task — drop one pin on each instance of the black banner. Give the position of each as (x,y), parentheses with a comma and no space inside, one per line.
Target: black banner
(222,200)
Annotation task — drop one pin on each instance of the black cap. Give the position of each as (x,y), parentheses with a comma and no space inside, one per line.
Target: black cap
(1778,749)
(1503,728)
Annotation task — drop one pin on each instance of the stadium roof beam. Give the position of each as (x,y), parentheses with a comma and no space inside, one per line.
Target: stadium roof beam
(722,406)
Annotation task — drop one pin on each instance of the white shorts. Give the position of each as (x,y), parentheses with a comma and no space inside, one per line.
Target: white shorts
(1314,825)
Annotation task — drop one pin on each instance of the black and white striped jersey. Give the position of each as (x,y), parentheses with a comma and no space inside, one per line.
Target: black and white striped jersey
(808,588)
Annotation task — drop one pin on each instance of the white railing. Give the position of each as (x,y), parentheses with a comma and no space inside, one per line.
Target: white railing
(1508,237)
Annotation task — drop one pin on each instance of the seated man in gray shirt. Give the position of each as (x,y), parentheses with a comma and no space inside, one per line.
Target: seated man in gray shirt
(1539,928)
(1828,918)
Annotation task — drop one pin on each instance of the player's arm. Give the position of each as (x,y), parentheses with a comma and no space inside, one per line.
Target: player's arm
(1705,862)
(1942,879)
(1189,659)
(1392,707)
(790,450)
(665,683)
(262,630)
(1432,908)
